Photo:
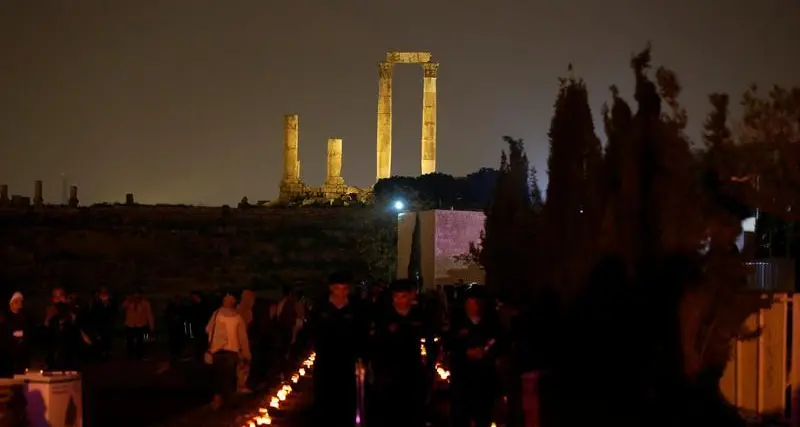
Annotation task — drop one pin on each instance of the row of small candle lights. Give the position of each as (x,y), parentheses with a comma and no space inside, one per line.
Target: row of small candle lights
(281,394)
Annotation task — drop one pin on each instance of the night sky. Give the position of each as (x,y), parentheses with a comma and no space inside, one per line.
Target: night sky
(181,101)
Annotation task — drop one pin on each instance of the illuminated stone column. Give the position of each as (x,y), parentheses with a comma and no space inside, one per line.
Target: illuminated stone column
(291,165)
(430,70)
(334,162)
(384,137)
(38,198)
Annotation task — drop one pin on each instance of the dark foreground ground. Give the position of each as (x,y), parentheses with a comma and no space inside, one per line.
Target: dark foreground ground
(127,393)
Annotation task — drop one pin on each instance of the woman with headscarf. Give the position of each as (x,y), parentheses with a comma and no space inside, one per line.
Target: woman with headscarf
(15,339)
(227,347)
(245,310)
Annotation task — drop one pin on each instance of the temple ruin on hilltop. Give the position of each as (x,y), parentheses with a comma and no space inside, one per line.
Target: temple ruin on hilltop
(292,186)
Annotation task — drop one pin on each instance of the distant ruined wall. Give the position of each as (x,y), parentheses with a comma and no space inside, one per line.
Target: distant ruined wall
(177,249)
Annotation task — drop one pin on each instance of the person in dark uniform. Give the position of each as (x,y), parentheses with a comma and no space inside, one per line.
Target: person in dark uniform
(473,349)
(400,365)
(68,339)
(339,333)
(174,318)
(102,316)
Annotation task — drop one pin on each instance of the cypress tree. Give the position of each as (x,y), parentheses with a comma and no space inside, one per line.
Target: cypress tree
(717,136)
(507,225)
(620,181)
(573,206)
(668,325)
(679,211)
(415,257)
(537,200)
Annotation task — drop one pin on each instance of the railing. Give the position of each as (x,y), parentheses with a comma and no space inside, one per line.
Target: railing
(774,274)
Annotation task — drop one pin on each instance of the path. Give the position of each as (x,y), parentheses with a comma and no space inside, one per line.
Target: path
(294,411)
(131,393)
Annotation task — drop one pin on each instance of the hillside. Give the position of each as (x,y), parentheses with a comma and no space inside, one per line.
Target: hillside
(168,249)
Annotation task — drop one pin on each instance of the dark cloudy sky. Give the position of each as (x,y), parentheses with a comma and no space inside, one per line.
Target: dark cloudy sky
(182,100)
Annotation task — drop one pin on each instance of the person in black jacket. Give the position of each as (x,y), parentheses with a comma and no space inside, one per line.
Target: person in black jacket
(198,311)
(399,364)
(67,339)
(103,317)
(339,333)
(175,319)
(473,351)
(15,339)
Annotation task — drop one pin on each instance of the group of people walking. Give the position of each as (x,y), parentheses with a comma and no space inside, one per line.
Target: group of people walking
(68,334)
(386,333)
(246,342)
(395,333)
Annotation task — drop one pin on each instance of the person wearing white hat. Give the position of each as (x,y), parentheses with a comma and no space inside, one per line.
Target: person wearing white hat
(14,338)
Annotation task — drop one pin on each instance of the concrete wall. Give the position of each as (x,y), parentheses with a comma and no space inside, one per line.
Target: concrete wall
(444,235)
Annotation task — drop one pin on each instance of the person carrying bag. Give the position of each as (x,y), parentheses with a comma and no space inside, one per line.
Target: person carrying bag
(228,347)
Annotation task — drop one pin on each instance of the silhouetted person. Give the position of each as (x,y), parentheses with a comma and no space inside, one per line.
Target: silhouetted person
(103,316)
(174,320)
(286,316)
(139,322)
(58,297)
(261,342)
(377,300)
(15,338)
(473,346)
(399,363)
(301,334)
(339,333)
(67,339)
(245,310)
(197,313)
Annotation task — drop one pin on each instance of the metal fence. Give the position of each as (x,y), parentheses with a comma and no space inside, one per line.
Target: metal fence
(777,274)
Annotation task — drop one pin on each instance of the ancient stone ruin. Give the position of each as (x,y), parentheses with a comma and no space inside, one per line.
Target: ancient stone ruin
(292,186)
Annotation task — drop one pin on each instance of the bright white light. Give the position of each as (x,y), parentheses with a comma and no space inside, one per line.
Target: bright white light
(399,205)
(749,224)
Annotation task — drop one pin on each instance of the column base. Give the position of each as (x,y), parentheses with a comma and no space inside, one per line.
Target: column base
(334,189)
(290,190)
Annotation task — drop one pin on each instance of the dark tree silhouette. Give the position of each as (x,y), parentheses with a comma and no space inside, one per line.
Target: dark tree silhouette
(651,316)
(437,190)
(508,241)
(478,187)
(537,200)
(415,257)
(573,209)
